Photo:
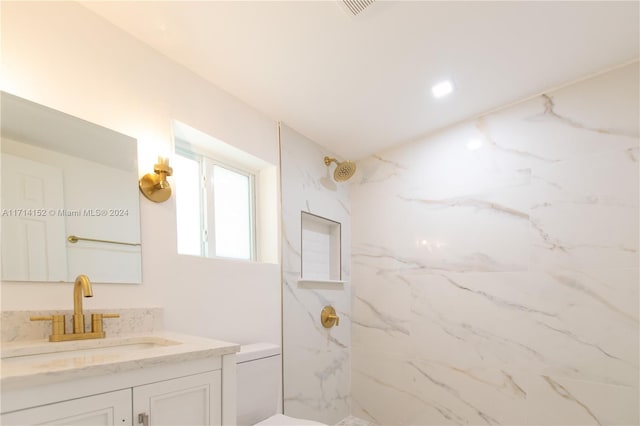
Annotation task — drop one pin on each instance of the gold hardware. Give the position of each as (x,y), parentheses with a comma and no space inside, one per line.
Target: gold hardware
(329,160)
(76,336)
(57,324)
(328,317)
(96,321)
(155,186)
(74,239)
(344,170)
(81,287)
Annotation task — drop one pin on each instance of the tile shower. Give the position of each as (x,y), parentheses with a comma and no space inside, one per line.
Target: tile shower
(495,266)
(316,359)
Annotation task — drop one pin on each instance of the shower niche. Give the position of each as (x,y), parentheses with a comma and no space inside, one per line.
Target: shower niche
(321,250)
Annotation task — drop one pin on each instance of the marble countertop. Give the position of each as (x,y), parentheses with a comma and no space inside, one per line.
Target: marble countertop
(38,362)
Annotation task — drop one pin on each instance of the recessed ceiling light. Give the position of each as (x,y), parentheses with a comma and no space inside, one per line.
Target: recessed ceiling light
(442,89)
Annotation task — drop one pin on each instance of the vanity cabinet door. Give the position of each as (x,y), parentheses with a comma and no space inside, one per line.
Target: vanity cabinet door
(107,409)
(188,401)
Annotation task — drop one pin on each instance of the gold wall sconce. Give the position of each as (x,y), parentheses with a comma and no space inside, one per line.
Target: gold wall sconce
(154,185)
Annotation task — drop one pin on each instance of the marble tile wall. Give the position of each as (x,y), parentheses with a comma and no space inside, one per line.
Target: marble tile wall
(316,359)
(499,285)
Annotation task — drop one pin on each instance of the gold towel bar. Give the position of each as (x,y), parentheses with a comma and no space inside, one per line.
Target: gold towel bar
(74,239)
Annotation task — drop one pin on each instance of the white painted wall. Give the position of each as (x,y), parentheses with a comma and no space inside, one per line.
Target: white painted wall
(63,56)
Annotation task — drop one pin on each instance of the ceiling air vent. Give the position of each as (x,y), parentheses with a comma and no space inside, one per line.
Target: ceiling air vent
(356,7)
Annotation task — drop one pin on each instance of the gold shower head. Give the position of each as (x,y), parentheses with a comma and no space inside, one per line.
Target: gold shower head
(344,170)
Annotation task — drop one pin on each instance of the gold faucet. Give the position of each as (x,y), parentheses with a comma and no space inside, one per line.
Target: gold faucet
(82,287)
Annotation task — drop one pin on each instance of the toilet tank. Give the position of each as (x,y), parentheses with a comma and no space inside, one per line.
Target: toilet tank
(258,379)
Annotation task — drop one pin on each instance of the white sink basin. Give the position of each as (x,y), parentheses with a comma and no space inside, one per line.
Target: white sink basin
(52,351)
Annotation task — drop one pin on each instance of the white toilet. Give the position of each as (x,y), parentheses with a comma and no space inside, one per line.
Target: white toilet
(258,372)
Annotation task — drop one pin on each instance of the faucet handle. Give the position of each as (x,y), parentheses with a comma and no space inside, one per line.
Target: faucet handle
(96,321)
(337,319)
(328,317)
(57,324)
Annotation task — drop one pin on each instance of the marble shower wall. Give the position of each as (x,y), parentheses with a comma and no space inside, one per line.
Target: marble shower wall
(317,366)
(499,285)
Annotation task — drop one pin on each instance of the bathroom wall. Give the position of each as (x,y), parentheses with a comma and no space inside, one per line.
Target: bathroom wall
(316,359)
(495,266)
(63,56)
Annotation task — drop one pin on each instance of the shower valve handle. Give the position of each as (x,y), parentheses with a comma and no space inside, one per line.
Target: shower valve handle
(328,317)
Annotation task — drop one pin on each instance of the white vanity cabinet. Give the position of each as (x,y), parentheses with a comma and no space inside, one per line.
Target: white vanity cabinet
(191,400)
(189,383)
(107,409)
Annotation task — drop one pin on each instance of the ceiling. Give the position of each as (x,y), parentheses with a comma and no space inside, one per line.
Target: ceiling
(360,84)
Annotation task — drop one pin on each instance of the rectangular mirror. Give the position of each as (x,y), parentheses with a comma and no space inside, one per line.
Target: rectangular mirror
(70,199)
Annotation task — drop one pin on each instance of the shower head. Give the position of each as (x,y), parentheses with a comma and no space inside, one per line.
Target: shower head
(344,170)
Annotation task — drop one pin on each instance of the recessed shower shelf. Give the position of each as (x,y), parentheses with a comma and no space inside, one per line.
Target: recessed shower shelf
(307,280)
(320,251)
(321,284)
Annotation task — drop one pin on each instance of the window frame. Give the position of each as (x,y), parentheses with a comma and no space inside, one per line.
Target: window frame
(202,201)
(207,162)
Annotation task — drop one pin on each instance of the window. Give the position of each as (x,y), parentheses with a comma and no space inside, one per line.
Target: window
(215,206)
(227,199)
